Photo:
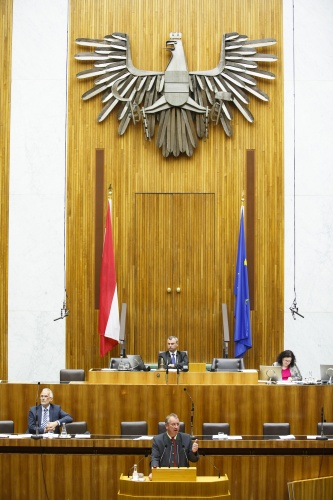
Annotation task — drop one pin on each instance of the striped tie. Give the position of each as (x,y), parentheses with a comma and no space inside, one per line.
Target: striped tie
(174,451)
(45,417)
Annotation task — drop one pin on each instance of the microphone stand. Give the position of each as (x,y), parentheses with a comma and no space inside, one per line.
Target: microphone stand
(37,435)
(192,410)
(166,374)
(219,473)
(322,436)
(177,375)
(145,456)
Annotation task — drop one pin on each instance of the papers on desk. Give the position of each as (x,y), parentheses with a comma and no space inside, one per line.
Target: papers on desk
(315,437)
(82,436)
(225,437)
(19,436)
(143,437)
(4,436)
(288,436)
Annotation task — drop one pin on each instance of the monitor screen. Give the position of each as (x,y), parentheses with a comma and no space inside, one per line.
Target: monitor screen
(136,362)
(326,372)
(272,373)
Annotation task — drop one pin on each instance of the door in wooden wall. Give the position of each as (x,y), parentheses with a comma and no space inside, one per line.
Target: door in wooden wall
(175,258)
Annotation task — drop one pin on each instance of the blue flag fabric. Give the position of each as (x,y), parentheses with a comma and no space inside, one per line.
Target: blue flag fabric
(242,333)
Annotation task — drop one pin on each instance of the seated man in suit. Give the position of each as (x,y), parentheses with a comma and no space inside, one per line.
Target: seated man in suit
(173,448)
(50,416)
(173,358)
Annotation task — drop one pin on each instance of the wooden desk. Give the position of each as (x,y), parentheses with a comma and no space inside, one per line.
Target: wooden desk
(97,376)
(202,488)
(85,469)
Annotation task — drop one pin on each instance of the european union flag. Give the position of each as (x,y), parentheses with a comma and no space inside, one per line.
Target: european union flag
(242,334)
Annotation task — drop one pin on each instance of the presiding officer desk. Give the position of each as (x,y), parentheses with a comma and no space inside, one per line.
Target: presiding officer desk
(90,468)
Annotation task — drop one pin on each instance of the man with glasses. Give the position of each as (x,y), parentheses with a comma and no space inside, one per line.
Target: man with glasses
(50,416)
(173,448)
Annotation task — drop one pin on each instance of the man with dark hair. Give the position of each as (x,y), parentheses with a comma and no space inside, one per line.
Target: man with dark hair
(172,358)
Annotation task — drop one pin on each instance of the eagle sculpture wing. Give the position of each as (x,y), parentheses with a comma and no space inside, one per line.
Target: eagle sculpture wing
(118,80)
(232,80)
(182,102)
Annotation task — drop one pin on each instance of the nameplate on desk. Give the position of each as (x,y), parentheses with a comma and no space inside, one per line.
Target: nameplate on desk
(174,474)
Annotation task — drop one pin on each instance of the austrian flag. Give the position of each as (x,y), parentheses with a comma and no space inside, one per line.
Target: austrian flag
(108,320)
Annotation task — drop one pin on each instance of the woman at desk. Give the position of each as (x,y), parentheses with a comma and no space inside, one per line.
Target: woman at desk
(290,371)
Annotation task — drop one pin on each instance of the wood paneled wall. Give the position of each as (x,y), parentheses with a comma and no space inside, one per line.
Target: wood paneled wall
(6,15)
(133,165)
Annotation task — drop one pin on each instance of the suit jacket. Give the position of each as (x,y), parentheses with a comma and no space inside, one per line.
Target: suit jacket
(55,413)
(181,359)
(161,453)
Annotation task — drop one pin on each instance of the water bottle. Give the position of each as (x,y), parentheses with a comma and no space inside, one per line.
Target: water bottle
(63,431)
(135,475)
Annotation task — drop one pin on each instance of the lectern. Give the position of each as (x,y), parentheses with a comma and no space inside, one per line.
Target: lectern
(176,483)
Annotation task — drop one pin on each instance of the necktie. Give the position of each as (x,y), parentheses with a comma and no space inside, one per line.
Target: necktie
(174,448)
(45,417)
(173,360)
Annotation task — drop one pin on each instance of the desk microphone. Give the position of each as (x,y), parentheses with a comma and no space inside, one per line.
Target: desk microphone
(166,373)
(37,435)
(160,460)
(210,461)
(192,410)
(322,436)
(142,458)
(184,450)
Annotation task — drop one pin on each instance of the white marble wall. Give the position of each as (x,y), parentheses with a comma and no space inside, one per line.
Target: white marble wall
(36,238)
(310,338)
(37,176)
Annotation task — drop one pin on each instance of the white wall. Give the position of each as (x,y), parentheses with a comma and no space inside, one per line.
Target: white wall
(310,338)
(36,236)
(37,175)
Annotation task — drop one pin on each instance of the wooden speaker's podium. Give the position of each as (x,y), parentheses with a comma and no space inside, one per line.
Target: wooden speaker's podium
(174,482)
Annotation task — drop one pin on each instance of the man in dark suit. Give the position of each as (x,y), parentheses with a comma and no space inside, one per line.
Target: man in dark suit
(172,358)
(50,416)
(173,448)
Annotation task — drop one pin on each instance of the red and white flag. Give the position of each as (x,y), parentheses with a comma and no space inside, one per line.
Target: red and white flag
(108,320)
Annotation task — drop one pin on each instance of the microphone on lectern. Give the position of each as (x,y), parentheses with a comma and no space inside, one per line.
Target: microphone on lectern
(192,409)
(210,461)
(160,460)
(37,435)
(142,458)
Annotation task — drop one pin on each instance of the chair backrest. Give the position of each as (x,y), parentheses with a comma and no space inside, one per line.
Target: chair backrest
(276,429)
(6,426)
(161,427)
(213,428)
(327,428)
(77,428)
(139,428)
(72,375)
(227,364)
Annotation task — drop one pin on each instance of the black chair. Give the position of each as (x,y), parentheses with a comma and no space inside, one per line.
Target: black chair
(327,428)
(6,426)
(227,365)
(77,428)
(139,428)
(276,429)
(213,428)
(161,427)
(71,375)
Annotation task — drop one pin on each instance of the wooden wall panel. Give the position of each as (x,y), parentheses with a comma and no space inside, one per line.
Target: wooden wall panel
(245,407)
(133,165)
(6,16)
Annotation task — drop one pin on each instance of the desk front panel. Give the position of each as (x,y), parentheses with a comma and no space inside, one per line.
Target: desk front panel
(245,407)
(90,469)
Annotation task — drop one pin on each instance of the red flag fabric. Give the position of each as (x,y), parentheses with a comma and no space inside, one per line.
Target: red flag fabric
(108,320)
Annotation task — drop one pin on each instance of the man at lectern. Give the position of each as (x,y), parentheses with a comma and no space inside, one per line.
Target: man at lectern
(173,448)
(172,358)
